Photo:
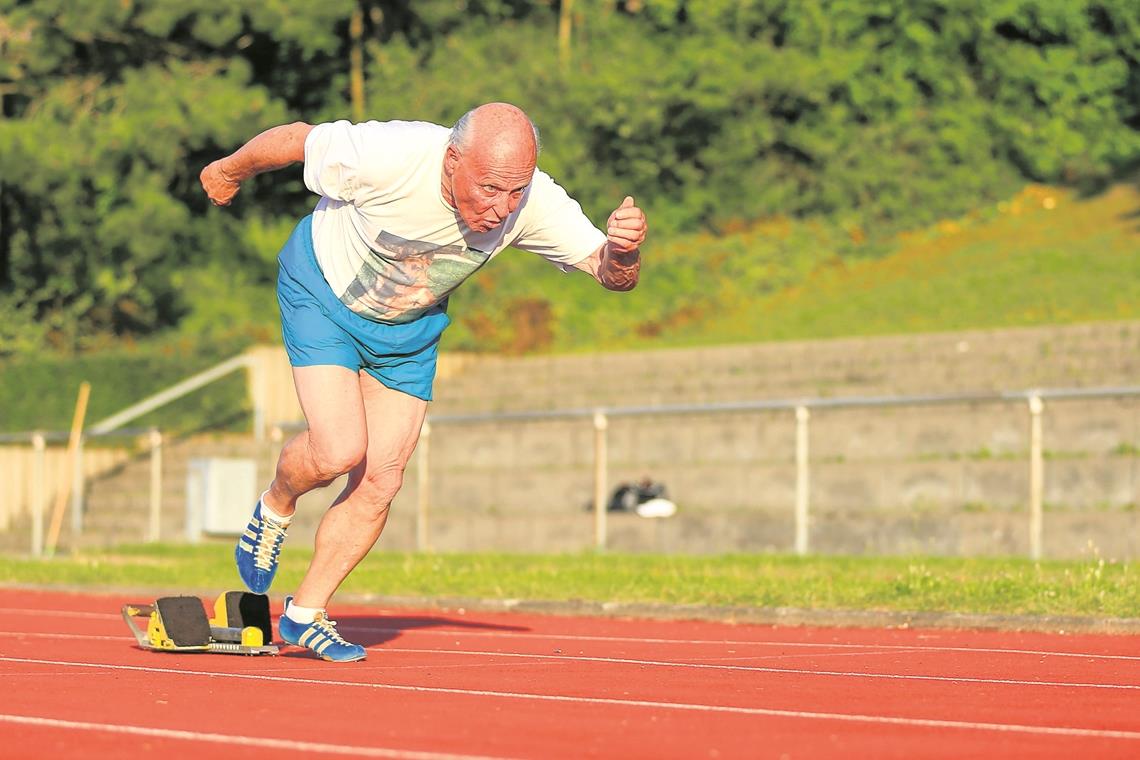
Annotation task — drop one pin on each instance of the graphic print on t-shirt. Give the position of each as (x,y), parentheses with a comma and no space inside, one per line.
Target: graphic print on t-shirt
(404,278)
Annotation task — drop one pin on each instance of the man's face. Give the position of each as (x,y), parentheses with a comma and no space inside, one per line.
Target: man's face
(487,183)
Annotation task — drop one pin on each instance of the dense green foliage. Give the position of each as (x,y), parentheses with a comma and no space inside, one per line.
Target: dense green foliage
(1092,588)
(868,115)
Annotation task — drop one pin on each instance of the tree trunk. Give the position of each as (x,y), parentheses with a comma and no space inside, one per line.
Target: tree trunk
(565,27)
(5,218)
(356,62)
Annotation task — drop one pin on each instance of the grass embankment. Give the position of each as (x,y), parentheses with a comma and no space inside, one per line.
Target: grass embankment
(969,586)
(1045,256)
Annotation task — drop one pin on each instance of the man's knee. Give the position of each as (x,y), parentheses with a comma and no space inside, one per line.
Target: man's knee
(380,486)
(333,458)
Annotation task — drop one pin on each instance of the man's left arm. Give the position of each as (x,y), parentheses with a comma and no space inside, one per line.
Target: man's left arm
(616,264)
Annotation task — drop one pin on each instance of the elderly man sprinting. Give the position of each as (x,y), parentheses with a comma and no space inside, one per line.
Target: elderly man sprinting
(408,211)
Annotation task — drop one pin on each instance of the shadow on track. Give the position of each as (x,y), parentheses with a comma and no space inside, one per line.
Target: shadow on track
(369,630)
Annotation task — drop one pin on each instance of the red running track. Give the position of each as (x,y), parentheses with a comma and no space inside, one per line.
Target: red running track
(454,684)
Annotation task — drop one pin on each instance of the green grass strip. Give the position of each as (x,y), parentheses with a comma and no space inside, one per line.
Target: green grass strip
(904,584)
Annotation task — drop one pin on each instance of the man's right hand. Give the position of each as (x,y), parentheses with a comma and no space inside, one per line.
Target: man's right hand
(220,189)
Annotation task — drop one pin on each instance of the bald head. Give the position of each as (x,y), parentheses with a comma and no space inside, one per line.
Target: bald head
(488,165)
(497,127)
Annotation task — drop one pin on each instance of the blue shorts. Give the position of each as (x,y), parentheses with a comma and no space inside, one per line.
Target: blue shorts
(320,330)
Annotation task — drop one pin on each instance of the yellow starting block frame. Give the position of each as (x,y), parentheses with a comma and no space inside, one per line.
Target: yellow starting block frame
(179,624)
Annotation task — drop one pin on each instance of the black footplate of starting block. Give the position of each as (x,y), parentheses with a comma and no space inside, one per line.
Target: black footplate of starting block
(241,624)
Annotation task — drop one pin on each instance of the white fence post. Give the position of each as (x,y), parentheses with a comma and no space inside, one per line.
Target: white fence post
(802,479)
(154,528)
(600,478)
(39,444)
(77,486)
(423,483)
(259,387)
(1036,477)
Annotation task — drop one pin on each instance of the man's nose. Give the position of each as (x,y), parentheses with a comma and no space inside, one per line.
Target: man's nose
(502,206)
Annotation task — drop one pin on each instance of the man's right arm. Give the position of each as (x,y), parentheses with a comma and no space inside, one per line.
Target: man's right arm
(272,149)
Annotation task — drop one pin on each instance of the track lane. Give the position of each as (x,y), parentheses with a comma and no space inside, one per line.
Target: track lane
(444,670)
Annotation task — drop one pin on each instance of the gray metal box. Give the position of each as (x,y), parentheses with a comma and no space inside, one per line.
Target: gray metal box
(220,494)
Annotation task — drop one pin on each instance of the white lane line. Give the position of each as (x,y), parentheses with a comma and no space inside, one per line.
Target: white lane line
(681,706)
(699,660)
(347,625)
(361,667)
(804,656)
(43,674)
(237,740)
(84,636)
(59,613)
(692,665)
(761,669)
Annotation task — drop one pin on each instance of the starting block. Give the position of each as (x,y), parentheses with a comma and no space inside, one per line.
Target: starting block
(241,624)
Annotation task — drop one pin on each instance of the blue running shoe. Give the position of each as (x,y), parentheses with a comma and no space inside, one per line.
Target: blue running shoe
(257,549)
(321,636)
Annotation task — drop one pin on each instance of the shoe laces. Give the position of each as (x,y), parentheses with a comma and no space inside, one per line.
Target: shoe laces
(268,544)
(328,628)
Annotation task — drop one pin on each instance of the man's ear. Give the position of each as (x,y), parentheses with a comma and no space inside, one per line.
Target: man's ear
(450,160)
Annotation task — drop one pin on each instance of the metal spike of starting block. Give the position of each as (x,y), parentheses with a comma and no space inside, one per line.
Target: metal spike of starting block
(241,624)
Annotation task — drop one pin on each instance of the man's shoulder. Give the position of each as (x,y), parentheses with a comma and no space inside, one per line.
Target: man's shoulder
(407,136)
(412,127)
(408,129)
(545,195)
(543,186)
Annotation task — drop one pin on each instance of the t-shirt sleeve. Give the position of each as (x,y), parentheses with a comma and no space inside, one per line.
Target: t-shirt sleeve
(353,162)
(555,226)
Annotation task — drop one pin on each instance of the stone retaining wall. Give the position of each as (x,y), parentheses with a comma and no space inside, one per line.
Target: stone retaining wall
(942,479)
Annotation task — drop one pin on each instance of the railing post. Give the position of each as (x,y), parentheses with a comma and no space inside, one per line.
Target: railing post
(154,528)
(1036,477)
(423,487)
(802,479)
(77,485)
(600,478)
(258,383)
(39,444)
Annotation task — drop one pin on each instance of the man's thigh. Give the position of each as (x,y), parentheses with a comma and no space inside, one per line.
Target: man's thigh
(394,419)
(331,399)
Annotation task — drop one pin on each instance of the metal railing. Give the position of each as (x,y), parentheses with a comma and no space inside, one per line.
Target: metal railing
(114,426)
(802,408)
(187,386)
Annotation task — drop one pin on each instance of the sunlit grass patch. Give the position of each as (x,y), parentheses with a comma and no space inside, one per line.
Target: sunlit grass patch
(1092,587)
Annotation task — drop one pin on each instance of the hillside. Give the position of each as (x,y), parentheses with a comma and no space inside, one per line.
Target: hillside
(1044,256)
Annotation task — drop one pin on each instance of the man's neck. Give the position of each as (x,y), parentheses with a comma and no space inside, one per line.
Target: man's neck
(445,189)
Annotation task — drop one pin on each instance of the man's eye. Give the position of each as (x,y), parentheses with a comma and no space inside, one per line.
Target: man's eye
(489,189)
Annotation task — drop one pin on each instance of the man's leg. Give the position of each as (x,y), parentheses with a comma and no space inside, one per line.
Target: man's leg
(351,526)
(334,442)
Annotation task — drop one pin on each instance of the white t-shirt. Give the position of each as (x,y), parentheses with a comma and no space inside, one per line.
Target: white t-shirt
(387,242)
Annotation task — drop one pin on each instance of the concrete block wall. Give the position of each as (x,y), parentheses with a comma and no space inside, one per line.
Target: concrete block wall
(1077,356)
(943,479)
